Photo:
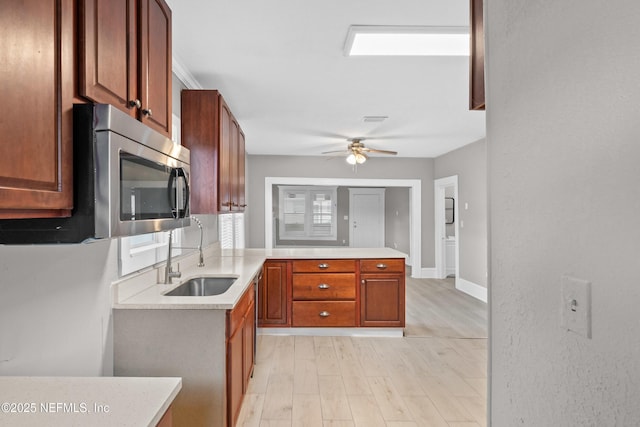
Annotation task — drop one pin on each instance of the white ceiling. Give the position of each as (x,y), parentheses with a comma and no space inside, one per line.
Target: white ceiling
(280,66)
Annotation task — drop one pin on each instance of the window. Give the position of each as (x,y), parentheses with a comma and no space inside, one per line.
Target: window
(138,252)
(231,231)
(307,213)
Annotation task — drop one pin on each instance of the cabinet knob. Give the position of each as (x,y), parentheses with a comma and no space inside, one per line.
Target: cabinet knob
(324,314)
(323,286)
(147,112)
(364,282)
(323,265)
(381,266)
(135,103)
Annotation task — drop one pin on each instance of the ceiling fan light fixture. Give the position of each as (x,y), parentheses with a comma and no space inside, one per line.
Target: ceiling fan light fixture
(388,40)
(356,157)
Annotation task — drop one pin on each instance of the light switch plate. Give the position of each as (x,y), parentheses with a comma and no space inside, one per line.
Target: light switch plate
(576,306)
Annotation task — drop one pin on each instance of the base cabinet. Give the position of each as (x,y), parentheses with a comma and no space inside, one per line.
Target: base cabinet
(382,293)
(332,293)
(240,353)
(212,350)
(274,295)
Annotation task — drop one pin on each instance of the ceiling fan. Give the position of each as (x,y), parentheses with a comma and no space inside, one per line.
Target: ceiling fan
(357,153)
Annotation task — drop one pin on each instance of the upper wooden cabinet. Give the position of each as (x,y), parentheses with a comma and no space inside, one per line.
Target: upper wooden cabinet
(37,87)
(476,61)
(125,58)
(216,142)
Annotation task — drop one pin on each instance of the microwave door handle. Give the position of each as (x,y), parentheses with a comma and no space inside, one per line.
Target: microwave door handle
(185,207)
(176,211)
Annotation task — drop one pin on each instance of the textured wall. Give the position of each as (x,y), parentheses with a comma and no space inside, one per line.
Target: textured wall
(563,145)
(470,164)
(55,309)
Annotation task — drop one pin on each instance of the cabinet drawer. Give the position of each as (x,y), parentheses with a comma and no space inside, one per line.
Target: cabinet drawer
(324,286)
(324,313)
(236,315)
(325,266)
(395,265)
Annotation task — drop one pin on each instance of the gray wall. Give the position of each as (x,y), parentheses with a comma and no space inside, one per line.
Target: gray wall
(259,167)
(55,309)
(563,149)
(470,164)
(397,219)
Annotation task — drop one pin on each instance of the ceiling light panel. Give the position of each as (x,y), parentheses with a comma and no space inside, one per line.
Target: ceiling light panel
(384,40)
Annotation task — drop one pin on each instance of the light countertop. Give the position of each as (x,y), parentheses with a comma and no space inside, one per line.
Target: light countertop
(241,263)
(85,401)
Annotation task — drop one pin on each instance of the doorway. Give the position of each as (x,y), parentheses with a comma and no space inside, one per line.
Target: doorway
(447,224)
(366,217)
(415,201)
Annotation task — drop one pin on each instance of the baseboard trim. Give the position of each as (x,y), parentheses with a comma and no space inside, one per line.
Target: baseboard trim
(470,288)
(335,332)
(427,273)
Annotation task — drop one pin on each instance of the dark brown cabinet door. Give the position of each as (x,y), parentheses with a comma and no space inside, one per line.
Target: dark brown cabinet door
(36,83)
(224,185)
(200,132)
(125,58)
(216,142)
(232,178)
(155,65)
(240,193)
(108,53)
(234,376)
(382,300)
(273,295)
(476,61)
(248,345)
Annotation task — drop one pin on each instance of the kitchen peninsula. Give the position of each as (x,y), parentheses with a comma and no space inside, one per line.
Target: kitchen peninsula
(209,341)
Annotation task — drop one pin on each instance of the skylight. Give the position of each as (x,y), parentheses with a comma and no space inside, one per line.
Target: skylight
(385,40)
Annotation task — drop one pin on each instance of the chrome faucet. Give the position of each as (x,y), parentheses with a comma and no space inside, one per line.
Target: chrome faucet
(168,270)
(201,259)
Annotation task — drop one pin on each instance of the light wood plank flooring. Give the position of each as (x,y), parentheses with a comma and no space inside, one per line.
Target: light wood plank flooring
(435,376)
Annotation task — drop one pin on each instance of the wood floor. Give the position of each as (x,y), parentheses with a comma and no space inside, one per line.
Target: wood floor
(435,376)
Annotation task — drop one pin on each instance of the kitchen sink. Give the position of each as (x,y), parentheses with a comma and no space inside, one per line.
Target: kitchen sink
(202,286)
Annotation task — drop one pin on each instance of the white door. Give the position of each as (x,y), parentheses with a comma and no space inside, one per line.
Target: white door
(366,217)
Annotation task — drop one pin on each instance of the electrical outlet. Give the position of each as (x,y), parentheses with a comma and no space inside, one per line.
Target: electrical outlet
(576,306)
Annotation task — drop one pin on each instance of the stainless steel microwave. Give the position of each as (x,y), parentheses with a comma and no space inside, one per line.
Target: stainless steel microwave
(128,180)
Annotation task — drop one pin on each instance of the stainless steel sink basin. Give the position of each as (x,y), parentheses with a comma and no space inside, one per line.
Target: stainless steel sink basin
(202,286)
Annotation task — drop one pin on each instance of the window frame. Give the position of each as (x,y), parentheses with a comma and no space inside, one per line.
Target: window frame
(308,232)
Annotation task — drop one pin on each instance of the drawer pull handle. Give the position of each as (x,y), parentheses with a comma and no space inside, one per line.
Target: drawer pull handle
(324,314)
(323,286)
(381,266)
(323,265)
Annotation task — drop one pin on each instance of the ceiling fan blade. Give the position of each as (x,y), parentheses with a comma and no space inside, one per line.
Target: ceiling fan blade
(373,150)
(336,151)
